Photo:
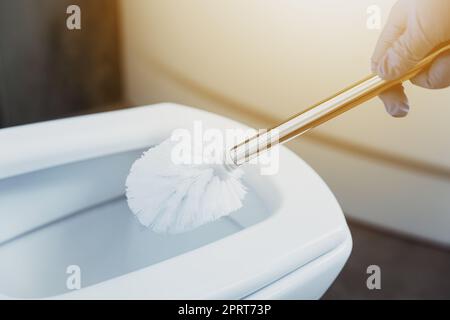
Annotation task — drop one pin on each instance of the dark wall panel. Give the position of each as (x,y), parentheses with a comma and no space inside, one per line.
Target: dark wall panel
(48,71)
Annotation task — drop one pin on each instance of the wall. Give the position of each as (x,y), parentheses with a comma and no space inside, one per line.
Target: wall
(263,60)
(48,71)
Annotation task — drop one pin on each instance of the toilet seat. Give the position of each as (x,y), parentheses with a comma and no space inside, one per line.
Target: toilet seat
(306,225)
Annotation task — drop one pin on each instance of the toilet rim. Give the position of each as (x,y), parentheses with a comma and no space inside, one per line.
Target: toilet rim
(231,267)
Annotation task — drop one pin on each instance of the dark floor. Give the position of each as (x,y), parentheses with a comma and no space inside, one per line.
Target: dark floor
(409,269)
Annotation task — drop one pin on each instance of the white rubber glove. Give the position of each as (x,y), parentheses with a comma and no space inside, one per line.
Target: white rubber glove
(413,30)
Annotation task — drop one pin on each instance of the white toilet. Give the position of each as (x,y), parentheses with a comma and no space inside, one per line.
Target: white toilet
(64,220)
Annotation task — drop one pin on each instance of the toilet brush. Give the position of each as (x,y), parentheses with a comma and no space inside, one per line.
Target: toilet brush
(173,198)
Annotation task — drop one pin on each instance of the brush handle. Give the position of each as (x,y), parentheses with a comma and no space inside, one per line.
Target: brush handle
(323,111)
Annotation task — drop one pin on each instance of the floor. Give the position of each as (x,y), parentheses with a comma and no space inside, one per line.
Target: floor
(409,269)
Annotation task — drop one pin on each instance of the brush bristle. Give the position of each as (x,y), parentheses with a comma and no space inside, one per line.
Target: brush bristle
(174,198)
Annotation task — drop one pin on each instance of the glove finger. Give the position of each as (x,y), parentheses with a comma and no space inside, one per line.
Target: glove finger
(402,56)
(395,27)
(414,44)
(437,76)
(395,101)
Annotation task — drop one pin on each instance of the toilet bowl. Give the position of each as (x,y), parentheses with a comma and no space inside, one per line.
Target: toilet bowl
(66,231)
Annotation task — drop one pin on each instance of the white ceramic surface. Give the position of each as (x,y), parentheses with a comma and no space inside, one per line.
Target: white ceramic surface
(61,183)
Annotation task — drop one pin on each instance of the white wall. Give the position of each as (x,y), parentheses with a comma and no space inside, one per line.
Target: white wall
(273,58)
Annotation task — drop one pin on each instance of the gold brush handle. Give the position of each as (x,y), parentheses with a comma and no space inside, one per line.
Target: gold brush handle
(323,111)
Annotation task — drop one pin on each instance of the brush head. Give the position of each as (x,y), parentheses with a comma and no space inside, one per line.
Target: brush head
(174,198)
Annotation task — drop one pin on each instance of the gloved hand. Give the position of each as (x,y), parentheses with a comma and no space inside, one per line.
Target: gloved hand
(413,30)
